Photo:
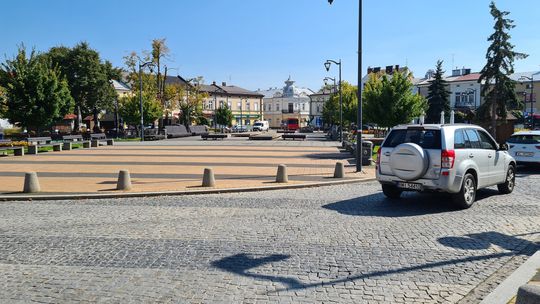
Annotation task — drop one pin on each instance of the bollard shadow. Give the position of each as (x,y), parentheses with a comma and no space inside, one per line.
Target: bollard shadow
(240,264)
(483,240)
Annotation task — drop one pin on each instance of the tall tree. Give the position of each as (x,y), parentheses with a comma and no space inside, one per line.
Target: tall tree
(390,101)
(438,96)
(499,90)
(350,105)
(36,94)
(160,51)
(131,111)
(88,76)
(224,116)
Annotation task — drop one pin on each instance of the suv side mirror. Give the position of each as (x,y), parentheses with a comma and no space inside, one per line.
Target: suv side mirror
(503,147)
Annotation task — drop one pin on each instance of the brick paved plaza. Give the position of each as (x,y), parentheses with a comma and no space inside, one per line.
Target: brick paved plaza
(337,244)
(177,165)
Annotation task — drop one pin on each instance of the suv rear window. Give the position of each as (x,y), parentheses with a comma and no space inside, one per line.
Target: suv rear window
(524,139)
(425,138)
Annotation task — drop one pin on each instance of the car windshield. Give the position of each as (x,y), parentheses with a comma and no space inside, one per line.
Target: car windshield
(427,139)
(257,124)
(524,139)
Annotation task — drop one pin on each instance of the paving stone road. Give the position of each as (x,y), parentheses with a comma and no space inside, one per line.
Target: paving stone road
(339,244)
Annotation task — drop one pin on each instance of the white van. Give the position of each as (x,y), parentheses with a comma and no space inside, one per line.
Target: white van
(261,125)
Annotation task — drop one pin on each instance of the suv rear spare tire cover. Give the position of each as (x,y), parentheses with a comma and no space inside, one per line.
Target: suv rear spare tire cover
(409,161)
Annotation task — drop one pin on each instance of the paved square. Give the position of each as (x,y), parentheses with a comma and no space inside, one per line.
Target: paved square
(338,244)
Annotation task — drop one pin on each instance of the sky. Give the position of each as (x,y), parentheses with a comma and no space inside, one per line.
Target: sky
(257,44)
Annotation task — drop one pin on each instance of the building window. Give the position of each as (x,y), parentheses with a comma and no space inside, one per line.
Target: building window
(277,106)
(269,107)
(303,107)
(221,102)
(210,104)
(458,98)
(256,106)
(229,104)
(239,105)
(248,106)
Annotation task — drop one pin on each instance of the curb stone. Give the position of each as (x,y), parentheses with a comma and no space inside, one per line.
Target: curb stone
(75,196)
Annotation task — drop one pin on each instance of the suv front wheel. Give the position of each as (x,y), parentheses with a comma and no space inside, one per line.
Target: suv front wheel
(508,186)
(467,195)
(391,191)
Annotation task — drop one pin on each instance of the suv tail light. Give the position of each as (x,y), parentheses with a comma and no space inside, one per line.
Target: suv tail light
(447,159)
(378,162)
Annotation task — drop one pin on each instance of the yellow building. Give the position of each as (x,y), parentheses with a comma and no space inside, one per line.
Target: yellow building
(246,106)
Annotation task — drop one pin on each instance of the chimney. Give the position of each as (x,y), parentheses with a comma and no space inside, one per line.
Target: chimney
(376,69)
(369,70)
(397,67)
(465,71)
(224,84)
(213,83)
(389,69)
(456,72)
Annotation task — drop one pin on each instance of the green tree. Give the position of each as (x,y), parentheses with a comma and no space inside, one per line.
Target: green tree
(438,96)
(224,116)
(36,95)
(389,101)
(350,105)
(3,102)
(88,76)
(499,90)
(191,105)
(130,109)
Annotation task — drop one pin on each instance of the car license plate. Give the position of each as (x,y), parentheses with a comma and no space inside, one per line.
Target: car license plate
(526,154)
(410,186)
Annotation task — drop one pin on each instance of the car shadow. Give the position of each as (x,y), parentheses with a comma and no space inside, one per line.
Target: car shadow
(410,204)
(527,170)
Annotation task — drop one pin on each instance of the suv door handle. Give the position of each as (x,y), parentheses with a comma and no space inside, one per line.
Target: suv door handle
(386,153)
(471,155)
(490,156)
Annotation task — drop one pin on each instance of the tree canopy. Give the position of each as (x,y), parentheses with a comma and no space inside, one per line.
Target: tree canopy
(499,90)
(36,93)
(224,116)
(438,96)
(350,105)
(390,101)
(87,75)
(130,109)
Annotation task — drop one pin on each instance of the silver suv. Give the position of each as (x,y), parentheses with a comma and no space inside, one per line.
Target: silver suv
(455,158)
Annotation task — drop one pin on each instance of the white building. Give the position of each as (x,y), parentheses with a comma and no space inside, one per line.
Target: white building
(288,102)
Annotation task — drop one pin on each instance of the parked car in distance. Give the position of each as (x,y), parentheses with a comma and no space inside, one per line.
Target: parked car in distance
(240,128)
(452,158)
(261,125)
(524,146)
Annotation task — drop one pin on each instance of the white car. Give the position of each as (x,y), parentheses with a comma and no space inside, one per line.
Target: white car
(524,146)
(261,126)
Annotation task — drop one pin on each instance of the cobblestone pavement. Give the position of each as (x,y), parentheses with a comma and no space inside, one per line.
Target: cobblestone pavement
(339,244)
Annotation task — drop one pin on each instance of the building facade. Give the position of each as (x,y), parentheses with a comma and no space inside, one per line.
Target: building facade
(289,102)
(317,102)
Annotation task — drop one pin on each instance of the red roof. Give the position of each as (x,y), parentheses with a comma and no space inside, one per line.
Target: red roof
(70,116)
(468,77)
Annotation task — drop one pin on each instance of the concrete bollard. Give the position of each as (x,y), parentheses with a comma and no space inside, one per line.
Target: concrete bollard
(339,171)
(67,146)
(528,294)
(32,149)
(124,180)
(95,143)
(282,176)
(57,148)
(31,183)
(110,142)
(208,178)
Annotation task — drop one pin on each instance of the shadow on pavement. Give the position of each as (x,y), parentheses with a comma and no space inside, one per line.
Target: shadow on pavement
(240,264)
(411,204)
(483,240)
(527,170)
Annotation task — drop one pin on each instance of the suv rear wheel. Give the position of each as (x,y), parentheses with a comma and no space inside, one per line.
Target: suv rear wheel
(391,191)
(467,195)
(508,186)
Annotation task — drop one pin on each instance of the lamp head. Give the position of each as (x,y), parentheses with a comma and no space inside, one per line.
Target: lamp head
(330,1)
(326,81)
(327,65)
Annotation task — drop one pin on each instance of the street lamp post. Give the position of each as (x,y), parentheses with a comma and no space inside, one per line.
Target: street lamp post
(333,91)
(141,66)
(531,96)
(359,91)
(327,65)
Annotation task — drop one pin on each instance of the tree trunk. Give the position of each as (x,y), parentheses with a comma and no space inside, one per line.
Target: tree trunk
(494,119)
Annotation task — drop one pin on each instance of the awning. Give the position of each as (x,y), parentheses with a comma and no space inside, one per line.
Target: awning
(247,116)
